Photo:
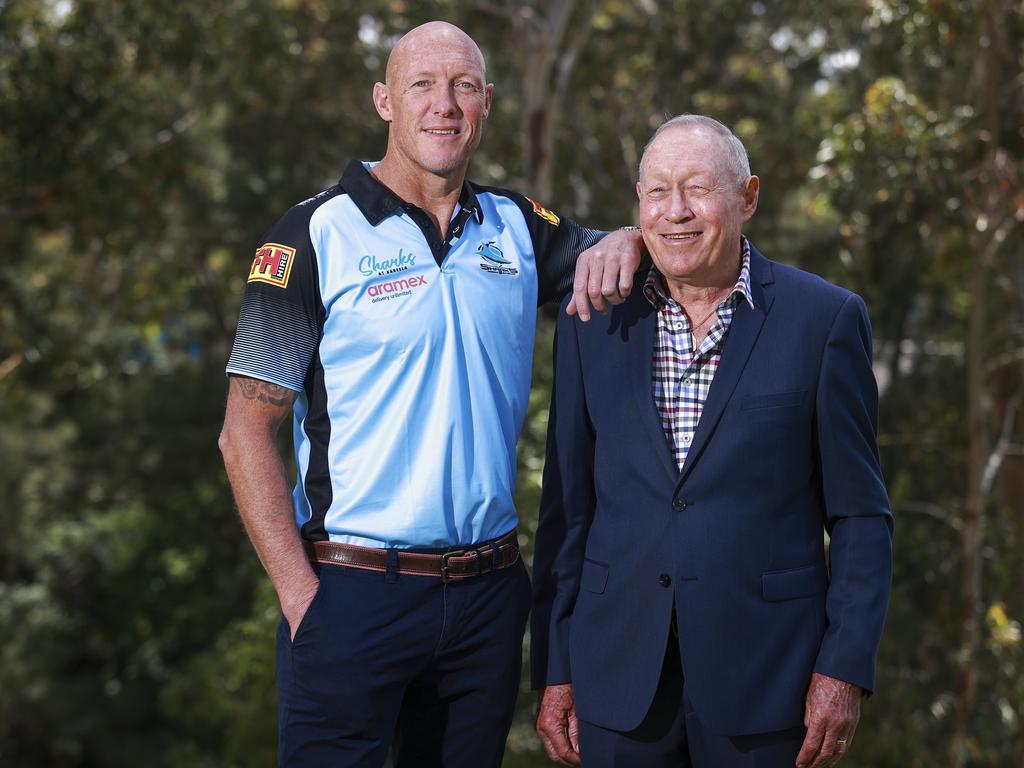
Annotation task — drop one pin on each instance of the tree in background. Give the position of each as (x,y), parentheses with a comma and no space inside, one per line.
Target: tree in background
(144,147)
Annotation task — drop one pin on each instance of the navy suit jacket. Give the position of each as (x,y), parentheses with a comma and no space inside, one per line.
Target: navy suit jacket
(784,452)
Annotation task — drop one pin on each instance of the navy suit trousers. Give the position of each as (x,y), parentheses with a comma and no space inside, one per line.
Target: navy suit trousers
(428,669)
(672,735)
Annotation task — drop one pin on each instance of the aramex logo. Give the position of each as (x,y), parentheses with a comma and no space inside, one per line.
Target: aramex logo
(396,286)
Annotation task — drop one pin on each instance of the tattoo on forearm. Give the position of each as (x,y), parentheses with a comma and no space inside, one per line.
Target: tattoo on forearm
(265,392)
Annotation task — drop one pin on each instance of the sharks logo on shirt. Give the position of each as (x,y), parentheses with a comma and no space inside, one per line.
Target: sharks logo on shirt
(494,260)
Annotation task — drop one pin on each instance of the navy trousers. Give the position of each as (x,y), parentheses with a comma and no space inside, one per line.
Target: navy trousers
(672,736)
(383,661)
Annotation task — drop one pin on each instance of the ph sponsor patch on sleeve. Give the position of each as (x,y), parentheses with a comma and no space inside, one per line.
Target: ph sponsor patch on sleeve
(272,264)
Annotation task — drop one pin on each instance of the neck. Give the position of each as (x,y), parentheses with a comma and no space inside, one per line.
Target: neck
(688,295)
(697,293)
(435,194)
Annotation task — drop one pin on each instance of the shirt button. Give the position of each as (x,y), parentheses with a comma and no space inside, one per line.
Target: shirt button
(686,439)
(678,326)
(665,580)
(688,382)
(679,505)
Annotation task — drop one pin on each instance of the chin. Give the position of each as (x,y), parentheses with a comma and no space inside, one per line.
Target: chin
(446,167)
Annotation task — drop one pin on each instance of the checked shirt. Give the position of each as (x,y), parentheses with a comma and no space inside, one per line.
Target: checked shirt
(681,376)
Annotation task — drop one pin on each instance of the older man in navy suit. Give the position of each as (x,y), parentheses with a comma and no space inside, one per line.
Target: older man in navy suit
(704,437)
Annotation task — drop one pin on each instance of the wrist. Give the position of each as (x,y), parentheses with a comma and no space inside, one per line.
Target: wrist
(299,596)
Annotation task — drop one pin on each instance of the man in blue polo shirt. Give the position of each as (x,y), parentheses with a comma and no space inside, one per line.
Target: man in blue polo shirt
(393,316)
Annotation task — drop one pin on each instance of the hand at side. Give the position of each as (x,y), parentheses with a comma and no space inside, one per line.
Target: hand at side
(831,715)
(557,725)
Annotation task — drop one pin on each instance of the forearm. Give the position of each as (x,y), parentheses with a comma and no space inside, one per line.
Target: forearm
(861,572)
(257,477)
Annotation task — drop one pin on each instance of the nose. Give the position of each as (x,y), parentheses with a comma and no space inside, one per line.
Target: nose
(679,207)
(445,103)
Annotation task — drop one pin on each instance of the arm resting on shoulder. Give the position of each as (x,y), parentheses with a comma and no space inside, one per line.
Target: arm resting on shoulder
(255,410)
(604,272)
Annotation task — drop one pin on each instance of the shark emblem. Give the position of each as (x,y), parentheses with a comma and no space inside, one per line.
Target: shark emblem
(492,253)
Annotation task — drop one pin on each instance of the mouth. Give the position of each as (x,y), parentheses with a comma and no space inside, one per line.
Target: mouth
(442,131)
(682,236)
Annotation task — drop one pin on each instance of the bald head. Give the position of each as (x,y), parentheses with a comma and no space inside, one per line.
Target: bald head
(430,38)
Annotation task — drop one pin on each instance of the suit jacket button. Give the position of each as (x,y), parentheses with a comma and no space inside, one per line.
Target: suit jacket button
(678,505)
(665,580)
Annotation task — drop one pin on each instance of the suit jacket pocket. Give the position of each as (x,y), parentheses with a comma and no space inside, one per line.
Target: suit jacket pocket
(594,576)
(792,583)
(776,400)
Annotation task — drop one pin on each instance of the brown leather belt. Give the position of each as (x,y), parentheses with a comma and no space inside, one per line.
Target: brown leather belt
(455,565)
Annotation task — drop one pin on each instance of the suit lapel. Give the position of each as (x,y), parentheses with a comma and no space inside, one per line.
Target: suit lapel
(743,332)
(646,329)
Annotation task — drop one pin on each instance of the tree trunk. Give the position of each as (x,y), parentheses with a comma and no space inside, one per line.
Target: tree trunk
(971,528)
(553,41)
(991,211)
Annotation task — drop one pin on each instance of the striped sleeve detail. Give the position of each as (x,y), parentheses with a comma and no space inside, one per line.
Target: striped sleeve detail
(556,266)
(282,311)
(276,340)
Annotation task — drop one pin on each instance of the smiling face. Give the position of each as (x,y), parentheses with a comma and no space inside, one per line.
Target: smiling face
(436,100)
(693,204)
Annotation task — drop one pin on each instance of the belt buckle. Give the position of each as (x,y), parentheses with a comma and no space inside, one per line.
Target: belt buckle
(444,563)
(445,577)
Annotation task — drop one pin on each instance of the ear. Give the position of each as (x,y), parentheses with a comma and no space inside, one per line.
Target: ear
(639,195)
(382,101)
(751,189)
(488,98)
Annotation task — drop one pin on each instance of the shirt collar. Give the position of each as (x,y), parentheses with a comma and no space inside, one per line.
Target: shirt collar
(654,286)
(376,202)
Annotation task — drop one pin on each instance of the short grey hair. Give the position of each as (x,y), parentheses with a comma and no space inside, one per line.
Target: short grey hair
(738,158)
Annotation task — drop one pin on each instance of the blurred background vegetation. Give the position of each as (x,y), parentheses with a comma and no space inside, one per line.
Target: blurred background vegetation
(145,146)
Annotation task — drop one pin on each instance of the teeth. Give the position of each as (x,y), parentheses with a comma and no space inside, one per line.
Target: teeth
(445,132)
(684,236)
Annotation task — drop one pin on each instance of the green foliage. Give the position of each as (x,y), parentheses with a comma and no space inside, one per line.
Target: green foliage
(144,147)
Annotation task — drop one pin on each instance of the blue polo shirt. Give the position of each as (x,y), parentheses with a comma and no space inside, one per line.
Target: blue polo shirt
(411,355)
